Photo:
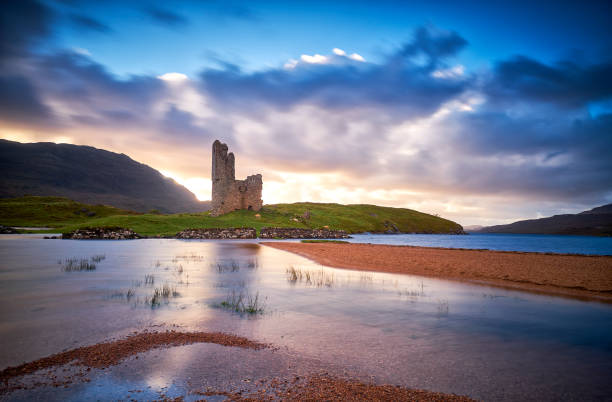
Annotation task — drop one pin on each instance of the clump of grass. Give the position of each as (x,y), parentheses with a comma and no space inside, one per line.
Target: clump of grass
(418,292)
(312,278)
(254,263)
(130,294)
(98,258)
(294,275)
(442,307)
(366,277)
(78,264)
(193,257)
(231,266)
(324,241)
(161,295)
(149,279)
(243,303)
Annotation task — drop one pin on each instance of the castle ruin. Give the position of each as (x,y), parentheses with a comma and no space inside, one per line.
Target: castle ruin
(229,194)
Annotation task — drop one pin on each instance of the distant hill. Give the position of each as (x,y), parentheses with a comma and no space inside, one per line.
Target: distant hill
(595,222)
(90,175)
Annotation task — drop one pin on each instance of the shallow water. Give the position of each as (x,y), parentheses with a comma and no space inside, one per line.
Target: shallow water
(418,332)
(498,241)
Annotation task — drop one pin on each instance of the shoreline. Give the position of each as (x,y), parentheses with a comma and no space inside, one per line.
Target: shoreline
(584,277)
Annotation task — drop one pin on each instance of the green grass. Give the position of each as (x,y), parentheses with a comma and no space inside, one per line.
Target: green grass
(60,214)
(52,211)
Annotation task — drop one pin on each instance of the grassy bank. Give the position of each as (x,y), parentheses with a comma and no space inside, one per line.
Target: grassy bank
(65,215)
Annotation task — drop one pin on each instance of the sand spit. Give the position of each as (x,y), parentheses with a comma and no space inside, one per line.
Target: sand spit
(312,387)
(577,276)
(324,387)
(103,355)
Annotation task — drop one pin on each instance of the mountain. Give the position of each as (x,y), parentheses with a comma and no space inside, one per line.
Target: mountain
(90,175)
(596,222)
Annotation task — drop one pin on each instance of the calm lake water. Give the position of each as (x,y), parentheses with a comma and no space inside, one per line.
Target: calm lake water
(488,343)
(506,242)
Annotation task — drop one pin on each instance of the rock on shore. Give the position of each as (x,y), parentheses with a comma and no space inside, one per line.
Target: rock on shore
(8,230)
(298,233)
(109,233)
(218,233)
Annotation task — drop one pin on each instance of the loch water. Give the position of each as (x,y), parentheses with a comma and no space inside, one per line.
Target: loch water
(481,341)
(591,245)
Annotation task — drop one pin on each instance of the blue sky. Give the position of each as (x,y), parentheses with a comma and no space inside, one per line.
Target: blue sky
(265,34)
(482,112)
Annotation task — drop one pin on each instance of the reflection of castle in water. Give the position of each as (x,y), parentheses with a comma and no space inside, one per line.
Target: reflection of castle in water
(229,194)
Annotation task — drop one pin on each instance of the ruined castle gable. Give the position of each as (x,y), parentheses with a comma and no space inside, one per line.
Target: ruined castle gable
(229,194)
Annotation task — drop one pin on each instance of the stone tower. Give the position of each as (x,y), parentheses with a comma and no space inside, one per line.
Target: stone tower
(229,194)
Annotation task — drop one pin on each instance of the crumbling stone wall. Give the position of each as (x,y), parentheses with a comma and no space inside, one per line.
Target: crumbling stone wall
(229,194)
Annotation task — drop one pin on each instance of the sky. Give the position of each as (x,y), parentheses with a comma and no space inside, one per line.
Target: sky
(481,112)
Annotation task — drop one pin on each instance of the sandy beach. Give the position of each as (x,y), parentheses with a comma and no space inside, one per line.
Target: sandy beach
(577,276)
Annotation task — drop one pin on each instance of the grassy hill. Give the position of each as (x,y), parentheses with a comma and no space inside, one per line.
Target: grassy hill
(52,211)
(65,215)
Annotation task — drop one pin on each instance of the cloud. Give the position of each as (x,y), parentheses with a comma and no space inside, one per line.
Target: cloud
(86,23)
(434,45)
(20,102)
(166,17)
(314,59)
(23,23)
(173,77)
(337,81)
(566,83)
(414,128)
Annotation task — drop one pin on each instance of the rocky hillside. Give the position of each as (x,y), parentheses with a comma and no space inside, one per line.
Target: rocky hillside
(596,222)
(90,175)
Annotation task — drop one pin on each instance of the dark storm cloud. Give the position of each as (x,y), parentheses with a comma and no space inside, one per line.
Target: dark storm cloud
(566,83)
(76,78)
(435,46)
(22,23)
(20,103)
(166,17)
(398,83)
(87,23)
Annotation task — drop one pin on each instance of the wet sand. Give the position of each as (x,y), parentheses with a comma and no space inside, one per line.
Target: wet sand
(577,276)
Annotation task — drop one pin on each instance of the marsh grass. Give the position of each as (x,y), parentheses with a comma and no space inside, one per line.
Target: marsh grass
(149,280)
(161,295)
(227,266)
(97,258)
(193,257)
(243,303)
(78,264)
(419,291)
(310,278)
(442,308)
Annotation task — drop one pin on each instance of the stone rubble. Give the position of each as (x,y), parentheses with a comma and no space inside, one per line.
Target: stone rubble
(109,233)
(7,230)
(218,233)
(298,233)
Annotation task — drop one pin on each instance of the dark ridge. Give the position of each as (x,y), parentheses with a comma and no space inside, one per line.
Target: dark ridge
(90,175)
(594,222)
